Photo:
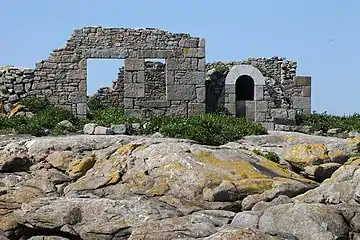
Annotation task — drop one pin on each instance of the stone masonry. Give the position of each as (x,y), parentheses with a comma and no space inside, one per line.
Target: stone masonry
(183,85)
(279,95)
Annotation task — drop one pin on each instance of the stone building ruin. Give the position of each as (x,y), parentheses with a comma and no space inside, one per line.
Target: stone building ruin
(265,90)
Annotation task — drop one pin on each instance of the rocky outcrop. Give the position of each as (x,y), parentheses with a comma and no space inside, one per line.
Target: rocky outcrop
(135,187)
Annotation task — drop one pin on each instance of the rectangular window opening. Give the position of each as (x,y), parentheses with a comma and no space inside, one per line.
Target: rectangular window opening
(105,79)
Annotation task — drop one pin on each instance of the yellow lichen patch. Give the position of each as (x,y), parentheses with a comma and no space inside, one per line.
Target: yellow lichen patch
(170,200)
(288,139)
(139,182)
(173,166)
(275,168)
(336,154)
(241,170)
(353,144)
(159,188)
(186,51)
(302,155)
(127,149)
(114,177)
(16,109)
(212,179)
(81,166)
(254,186)
(353,161)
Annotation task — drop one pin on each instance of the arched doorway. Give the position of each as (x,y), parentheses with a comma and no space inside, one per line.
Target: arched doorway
(244,94)
(244,88)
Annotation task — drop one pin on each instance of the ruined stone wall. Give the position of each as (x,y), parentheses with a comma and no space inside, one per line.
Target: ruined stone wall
(15,83)
(283,96)
(63,75)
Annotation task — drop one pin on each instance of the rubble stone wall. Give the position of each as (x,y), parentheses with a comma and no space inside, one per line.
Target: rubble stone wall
(62,77)
(15,83)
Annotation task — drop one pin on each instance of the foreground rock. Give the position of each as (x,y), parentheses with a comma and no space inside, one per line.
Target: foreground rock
(126,187)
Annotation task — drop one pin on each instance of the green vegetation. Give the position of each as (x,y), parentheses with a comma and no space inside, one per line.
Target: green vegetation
(210,129)
(221,67)
(269,155)
(325,121)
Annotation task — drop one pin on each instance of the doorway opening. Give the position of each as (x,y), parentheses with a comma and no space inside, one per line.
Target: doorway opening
(244,94)
(245,88)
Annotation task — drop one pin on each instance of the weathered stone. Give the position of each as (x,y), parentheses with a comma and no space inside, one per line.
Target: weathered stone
(334,131)
(89,128)
(301,102)
(66,124)
(118,129)
(100,130)
(195,109)
(134,90)
(323,171)
(157,135)
(14,158)
(196,78)
(132,64)
(181,92)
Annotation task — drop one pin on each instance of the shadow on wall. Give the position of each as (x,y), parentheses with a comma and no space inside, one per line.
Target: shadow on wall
(215,97)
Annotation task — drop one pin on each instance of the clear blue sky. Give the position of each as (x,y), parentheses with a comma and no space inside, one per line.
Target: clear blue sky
(322,35)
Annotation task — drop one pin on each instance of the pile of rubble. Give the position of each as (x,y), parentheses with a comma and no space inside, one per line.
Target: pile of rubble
(9,110)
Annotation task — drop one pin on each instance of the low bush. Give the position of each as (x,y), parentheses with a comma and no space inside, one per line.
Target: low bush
(269,155)
(325,121)
(35,105)
(94,104)
(209,129)
(106,117)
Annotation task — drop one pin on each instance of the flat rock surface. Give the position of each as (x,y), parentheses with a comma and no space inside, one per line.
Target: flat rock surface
(137,187)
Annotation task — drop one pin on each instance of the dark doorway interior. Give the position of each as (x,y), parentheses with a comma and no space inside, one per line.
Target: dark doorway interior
(244,93)
(244,88)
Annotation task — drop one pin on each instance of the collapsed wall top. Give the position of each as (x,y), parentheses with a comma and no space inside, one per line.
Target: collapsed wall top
(62,77)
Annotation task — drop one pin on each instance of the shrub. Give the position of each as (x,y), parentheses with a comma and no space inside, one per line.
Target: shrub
(108,116)
(11,123)
(324,121)
(211,129)
(272,157)
(35,105)
(31,128)
(94,104)
(51,116)
(269,155)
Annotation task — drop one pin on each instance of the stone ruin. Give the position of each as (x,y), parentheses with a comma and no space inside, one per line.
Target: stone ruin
(265,90)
